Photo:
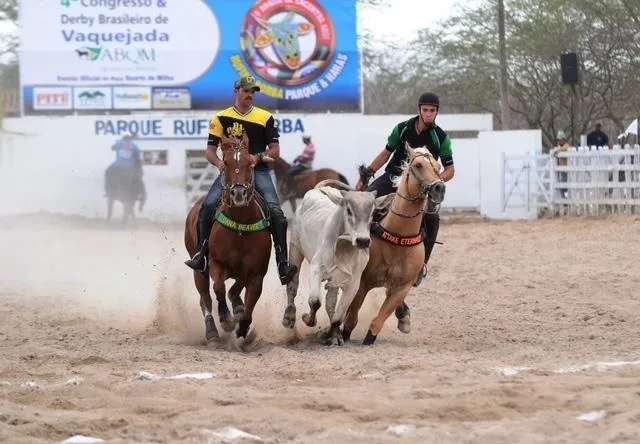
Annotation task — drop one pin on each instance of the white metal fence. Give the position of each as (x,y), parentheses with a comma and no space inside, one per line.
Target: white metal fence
(586,180)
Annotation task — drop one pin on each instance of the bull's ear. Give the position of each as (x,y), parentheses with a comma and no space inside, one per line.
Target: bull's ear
(333,195)
(384,201)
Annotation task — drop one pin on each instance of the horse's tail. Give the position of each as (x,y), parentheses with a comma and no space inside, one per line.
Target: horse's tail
(343,179)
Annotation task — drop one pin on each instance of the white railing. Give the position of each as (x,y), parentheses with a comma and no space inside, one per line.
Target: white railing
(595,180)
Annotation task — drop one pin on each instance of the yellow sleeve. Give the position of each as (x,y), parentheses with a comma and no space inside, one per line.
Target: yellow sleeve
(215,127)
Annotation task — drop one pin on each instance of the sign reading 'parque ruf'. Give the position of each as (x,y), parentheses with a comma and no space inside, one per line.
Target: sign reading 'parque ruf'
(144,54)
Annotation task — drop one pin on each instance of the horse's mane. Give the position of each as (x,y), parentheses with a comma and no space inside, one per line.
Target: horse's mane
(395,180)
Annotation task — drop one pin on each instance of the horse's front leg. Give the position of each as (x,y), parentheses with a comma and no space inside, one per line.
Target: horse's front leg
(219,276)
(253,290)
(236,300)
(394,298)
(351,319)
(109,209)
(202,285)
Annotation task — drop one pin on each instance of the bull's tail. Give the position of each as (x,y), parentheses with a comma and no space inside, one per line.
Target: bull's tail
(343,179)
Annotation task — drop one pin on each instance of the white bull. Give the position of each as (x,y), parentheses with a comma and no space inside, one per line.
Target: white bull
(331,231)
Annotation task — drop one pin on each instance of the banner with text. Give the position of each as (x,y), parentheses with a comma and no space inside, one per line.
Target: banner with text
(97,56)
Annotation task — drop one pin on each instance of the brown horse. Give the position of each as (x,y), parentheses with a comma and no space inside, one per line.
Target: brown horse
(397,252)
(303,182)
(239,244)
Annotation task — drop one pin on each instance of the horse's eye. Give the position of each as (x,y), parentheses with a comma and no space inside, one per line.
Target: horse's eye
(419,166)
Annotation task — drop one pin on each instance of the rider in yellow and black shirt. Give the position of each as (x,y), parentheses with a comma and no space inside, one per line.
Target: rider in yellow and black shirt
(263,140)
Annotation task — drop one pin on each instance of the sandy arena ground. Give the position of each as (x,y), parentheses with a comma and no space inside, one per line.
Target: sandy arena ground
(507,339)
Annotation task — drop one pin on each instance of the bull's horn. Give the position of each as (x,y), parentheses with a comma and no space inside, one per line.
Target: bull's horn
(334,184)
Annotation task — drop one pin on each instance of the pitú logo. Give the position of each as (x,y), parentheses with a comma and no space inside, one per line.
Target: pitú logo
(288,44)
(91,96)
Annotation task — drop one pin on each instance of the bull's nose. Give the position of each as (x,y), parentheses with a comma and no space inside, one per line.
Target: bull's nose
(363,242)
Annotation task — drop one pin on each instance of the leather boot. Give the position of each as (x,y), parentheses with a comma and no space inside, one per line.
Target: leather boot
(286,271)
(431,224)
(199,261)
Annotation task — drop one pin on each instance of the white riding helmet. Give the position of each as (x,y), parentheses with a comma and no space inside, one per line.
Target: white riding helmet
(127,134)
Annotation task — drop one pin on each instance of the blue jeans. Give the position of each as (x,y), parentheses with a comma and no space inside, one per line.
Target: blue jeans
(263,184)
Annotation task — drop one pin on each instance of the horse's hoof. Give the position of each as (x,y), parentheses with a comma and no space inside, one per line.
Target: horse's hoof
(211,332)
(369,339)
(309,320)
(346,335)
(404,324)
(289,318)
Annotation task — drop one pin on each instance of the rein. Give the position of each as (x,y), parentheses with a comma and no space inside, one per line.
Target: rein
(224,220)
(422,194)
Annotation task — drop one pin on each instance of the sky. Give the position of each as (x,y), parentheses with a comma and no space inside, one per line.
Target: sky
(399,21)
(403,18)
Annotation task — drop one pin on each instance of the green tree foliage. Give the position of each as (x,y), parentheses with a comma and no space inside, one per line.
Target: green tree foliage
(459,59)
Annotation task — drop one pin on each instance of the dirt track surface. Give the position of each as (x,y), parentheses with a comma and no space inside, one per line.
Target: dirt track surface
(510,312)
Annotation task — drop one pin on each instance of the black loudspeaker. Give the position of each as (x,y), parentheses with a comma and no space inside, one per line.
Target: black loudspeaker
(570,68)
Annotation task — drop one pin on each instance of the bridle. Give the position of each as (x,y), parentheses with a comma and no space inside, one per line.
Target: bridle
(424,192)
(249,186)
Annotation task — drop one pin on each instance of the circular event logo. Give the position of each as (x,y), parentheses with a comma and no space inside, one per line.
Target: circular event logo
(286,43)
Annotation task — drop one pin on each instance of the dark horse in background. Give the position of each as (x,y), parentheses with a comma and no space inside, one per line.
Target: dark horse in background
(303,182)
(239,243)
(124,185)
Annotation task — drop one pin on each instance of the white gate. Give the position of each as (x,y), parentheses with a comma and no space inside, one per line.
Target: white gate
(199,175)
(525,183)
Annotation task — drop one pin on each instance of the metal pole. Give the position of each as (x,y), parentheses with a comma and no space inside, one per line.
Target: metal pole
(504,81)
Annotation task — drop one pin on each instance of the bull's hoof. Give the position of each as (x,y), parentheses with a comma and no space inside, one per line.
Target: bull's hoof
(289,318)
(309,320)
(211,332)
(404,324)
(369,339)
(333,337)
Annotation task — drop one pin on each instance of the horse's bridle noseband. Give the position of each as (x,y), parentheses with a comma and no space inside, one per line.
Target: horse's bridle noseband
(249,187)
(425,189)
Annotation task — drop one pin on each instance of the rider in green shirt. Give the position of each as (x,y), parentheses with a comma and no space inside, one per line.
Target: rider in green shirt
(420,130)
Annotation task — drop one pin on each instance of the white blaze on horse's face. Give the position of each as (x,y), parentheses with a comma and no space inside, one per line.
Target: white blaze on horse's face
(238,173)
(424,173)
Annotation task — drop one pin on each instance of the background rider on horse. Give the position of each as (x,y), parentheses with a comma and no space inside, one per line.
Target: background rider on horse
(302,163)
(259,125)
(128,163)
(418,131)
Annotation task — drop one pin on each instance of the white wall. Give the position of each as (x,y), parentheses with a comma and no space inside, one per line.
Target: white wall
(58,165)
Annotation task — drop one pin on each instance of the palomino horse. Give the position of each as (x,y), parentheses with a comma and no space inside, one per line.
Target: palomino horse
(397,252)
(239,243)
(123,184)
(303,182)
